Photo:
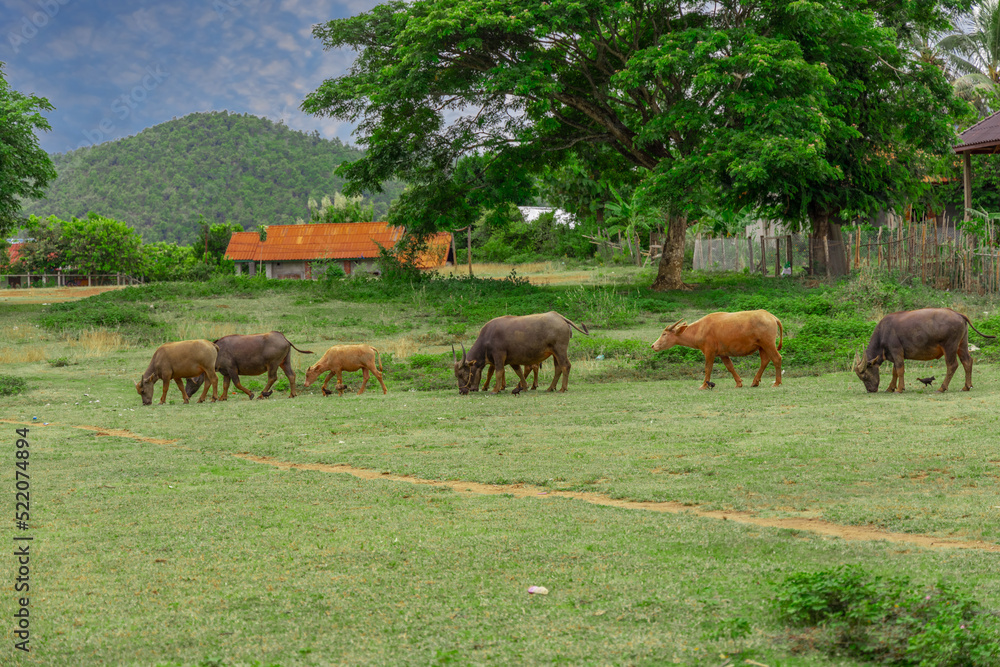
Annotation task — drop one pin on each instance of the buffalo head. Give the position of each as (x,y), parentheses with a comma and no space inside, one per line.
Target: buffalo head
(670,336)
(145,389)
(867,370)
(466,372)
(312,373)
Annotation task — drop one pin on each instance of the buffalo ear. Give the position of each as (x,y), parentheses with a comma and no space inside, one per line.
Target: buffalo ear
(471,363)
(876,361)
(681,328)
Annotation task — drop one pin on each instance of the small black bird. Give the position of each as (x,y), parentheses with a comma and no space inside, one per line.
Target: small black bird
(711,385)
(926,381)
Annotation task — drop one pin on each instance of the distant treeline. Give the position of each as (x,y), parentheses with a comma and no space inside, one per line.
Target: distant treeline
(234,169)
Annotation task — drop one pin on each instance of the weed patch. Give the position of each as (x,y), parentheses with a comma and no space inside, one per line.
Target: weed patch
(889,620)
(12,386)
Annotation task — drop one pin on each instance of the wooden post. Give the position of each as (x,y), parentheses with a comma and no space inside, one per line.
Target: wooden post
(777,256)
(923,255)
(967,182)
(878,241)
(469,247)
(763,255)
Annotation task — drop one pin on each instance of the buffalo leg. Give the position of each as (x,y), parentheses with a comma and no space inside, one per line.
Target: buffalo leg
(378,376)
(892,384)
(489,376)
(225,385)
(561,361)
(500,383)
(237,384)
(709,362)
(951,365)
(364,380)
(534,384)
(736,376)
(180,385)
(286,366)
(166,385)
(522,383)
(901,384)
(340,382)
(966,358)
(329,376)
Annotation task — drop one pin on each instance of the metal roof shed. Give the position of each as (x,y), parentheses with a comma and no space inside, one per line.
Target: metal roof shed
(981,138)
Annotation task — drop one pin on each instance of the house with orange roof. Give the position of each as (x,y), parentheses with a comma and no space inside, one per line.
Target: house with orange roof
(303,251)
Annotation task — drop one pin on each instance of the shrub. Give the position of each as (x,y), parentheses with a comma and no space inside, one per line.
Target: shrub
(11,385)
(890,620)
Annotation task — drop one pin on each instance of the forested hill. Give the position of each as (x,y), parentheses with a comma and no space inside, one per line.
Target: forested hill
(227,167)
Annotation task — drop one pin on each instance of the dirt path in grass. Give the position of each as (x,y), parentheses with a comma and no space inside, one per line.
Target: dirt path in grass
(805,524)
(537,493)
(51,294)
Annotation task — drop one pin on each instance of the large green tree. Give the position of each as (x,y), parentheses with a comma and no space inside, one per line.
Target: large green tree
(657,82)
(25,169)
(879,116)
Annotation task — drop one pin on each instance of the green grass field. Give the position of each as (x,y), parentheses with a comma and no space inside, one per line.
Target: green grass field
(183,534)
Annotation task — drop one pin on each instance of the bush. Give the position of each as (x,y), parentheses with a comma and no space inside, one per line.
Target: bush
(890,620)
(11,386)
(95,313)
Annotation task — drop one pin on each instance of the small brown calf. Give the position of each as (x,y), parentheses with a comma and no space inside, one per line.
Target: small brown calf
(350,358)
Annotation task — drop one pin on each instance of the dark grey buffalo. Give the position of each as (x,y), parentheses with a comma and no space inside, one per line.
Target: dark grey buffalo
(517,341)
(925,334)
(252,355)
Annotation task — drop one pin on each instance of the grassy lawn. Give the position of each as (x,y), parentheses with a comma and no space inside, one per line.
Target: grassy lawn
(177,549)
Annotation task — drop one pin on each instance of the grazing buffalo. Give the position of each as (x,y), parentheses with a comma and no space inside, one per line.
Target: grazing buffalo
(527,369)
(518,341)
(928,333)
(728,335)
(350,358)
(252,355)
(175,361)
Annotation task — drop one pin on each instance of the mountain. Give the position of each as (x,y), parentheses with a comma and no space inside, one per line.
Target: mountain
(230,168)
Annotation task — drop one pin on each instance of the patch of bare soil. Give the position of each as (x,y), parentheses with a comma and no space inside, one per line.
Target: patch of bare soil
(51,294)
(114,432)
(524,491)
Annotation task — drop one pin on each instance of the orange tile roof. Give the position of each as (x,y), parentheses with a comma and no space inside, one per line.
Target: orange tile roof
(436,253)
(353,240)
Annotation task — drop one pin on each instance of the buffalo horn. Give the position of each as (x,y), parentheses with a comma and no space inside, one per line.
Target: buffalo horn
(674,325)
(463,352)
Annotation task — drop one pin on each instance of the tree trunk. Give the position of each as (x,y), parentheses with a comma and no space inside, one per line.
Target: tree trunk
(824,226)
(668,275)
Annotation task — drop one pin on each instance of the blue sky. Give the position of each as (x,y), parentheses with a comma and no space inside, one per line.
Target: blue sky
(113,67)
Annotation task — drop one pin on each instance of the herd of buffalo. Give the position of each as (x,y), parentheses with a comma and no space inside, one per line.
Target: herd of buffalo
(524,342)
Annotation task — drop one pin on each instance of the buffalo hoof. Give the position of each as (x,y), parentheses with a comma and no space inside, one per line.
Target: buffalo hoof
(251,396)
(966,388)
(941,390)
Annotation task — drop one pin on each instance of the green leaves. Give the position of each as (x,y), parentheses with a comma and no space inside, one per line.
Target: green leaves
(25,169)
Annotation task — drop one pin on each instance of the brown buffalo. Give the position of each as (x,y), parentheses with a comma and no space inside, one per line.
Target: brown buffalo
(728,335)
(350,358)
(928,333)
(518,341)
(175,361)
(527,369)
(252,355)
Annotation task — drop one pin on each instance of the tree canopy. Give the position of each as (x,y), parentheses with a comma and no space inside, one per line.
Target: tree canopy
(771,103)
(25,169)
